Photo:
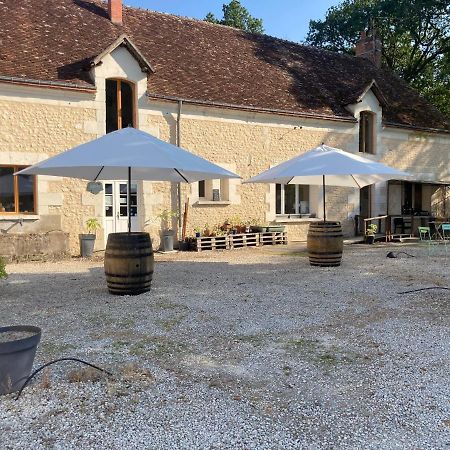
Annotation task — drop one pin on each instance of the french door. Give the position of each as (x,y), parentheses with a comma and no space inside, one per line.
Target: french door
(117,207)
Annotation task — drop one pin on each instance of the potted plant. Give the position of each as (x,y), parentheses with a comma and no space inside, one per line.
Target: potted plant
(274,228)
(167,233)
(198,232)
(87,241)
(370,233)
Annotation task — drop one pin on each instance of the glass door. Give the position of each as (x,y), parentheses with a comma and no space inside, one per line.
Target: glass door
(116,207)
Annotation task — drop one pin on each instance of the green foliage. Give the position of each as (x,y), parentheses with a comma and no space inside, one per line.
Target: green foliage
(3,273)
(415,36)
(237,16)
(372,228)
(92,225)
(166,217)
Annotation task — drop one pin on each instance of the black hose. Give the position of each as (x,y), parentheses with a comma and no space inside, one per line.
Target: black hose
(53,362)
(395,255)
(425,289)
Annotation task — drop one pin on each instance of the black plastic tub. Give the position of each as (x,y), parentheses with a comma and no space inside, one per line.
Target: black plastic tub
(17,356)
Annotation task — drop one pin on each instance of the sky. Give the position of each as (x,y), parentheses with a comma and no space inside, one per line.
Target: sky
(286,19)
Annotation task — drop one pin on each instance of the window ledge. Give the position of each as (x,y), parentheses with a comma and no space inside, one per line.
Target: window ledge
(297,220)
(212,202)
(18,217)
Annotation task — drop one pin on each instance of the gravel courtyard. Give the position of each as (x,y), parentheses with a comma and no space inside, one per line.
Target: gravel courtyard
(237,349)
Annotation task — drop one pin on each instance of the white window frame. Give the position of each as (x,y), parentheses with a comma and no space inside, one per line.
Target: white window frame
(297,212)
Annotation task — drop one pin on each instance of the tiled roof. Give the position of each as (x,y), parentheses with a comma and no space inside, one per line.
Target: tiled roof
(55,41)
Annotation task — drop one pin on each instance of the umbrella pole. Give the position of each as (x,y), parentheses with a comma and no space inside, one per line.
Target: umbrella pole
(129,199)
(323,188)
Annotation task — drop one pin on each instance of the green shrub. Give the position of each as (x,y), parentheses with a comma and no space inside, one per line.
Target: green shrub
(3,273)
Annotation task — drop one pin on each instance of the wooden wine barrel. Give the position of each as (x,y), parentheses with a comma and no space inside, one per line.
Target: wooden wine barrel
(325,244)
(129,263)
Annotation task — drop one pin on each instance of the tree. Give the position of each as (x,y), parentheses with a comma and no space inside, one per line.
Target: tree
(415,36)
(237,16)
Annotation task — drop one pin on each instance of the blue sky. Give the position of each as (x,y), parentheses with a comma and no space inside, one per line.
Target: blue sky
(287,19)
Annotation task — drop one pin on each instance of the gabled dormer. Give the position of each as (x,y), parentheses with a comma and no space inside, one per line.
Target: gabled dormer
(120,75)
(367,107)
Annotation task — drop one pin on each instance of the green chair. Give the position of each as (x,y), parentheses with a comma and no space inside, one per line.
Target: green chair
(445,228)
(425,236)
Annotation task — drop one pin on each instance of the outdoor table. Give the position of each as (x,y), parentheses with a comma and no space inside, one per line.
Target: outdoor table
(437,224)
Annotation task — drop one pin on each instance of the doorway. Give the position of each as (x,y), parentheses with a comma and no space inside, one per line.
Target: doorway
(365,206)
(116,207)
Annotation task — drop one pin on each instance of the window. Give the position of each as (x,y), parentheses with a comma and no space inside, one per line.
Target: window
(292,199)
(367,132)
(17,192)
(201,189)
(214,190)
(119,105)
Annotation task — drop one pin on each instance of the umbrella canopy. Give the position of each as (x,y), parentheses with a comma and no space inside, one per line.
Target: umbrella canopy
(129,154)
(340,168)
(110,157)
(328,165)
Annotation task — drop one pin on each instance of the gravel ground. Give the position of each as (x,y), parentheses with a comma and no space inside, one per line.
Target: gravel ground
(237,349)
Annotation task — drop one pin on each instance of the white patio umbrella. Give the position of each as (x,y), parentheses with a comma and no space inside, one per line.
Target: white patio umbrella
(327,165)
(129,154)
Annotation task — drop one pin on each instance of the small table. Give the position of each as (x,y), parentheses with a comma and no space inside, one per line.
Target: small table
(437,224)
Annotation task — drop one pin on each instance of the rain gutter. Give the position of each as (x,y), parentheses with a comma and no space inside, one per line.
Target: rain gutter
(415,128)
(250,108)
(46,84)
(180,107)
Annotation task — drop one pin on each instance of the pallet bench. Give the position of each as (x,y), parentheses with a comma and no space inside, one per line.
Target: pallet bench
(240,241)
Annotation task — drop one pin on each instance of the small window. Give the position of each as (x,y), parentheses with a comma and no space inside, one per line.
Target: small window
(214,190)
(119,105)
(292,199)
(201,189)
(17,192)
(367,132)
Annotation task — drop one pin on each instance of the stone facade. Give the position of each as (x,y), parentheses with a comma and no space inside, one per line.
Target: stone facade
(40,122)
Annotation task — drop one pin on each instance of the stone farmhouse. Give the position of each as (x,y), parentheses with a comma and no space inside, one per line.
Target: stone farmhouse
(73,70)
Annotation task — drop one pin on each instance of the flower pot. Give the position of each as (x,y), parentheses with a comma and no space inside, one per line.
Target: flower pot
(198,234)
(167,241)
(370,239)
(183,246)
(87,242)
(274,228)
(18,346)
(258,229)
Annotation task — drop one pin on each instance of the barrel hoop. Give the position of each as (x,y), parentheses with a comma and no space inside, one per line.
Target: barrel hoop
(127,255)
(324,253)
(140,275)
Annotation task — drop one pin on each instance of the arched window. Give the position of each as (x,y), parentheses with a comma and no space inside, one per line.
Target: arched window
(367,132)
(119,105)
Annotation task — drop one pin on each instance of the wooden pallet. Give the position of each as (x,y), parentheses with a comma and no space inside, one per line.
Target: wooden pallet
(273,238)
(212,243)
(240,240)
(243,240)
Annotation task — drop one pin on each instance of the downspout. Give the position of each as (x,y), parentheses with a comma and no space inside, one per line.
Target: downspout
(180,106)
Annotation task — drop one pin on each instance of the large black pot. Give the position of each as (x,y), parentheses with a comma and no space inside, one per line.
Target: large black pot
(16,358)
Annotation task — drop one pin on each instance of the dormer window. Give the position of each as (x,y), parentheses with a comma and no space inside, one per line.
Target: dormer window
(119,105)
(367,132)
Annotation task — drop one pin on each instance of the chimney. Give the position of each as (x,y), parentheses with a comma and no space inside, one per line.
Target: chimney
(369,47)
(115,11)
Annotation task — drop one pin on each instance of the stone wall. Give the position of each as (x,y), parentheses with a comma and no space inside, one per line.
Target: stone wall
(38,123)
(16,247)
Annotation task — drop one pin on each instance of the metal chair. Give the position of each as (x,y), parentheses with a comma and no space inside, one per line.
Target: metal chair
(400,222)
(445,228)
(425,236)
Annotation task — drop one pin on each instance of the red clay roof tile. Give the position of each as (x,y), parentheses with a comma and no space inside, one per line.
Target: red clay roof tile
(55,41)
